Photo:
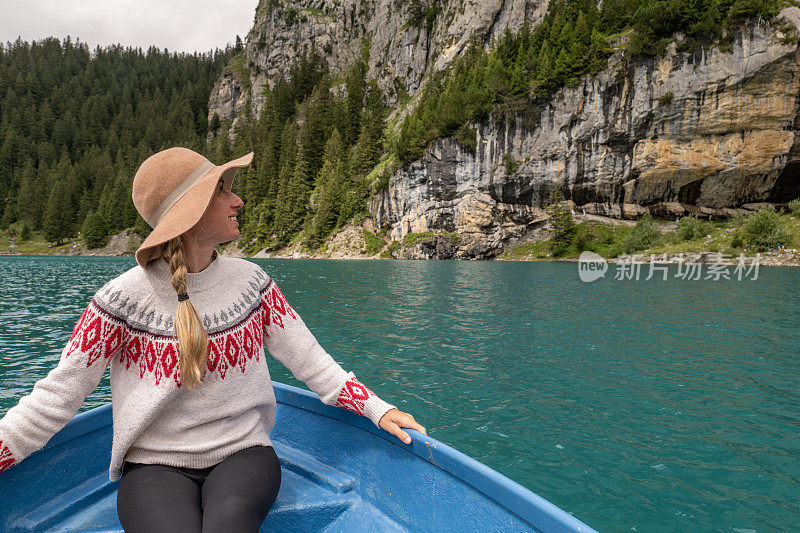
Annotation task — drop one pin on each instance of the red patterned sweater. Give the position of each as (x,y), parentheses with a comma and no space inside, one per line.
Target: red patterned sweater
(128,327)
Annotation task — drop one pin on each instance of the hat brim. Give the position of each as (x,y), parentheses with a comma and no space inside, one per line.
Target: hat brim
(188,210)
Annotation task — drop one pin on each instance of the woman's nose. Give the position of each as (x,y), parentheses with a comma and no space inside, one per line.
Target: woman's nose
(237,203)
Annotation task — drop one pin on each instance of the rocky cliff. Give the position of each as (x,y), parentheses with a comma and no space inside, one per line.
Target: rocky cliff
(703,132)
(406,40)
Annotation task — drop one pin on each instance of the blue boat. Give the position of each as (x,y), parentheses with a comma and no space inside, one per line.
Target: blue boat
(358,478)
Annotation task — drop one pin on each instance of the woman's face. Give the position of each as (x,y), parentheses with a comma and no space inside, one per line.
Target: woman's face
(218,224)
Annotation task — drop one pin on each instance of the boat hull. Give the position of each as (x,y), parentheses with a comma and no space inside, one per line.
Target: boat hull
(339,473)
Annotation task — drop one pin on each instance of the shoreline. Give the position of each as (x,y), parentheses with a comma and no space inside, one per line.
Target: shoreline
(357,241)
(787,259)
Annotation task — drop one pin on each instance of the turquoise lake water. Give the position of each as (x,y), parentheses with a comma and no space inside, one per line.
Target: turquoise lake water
(634,405)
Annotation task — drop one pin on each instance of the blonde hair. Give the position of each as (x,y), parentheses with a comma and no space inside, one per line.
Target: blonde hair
(188,328)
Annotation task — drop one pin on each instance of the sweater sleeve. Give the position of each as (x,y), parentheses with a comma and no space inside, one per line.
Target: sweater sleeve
(288,340)
(56,398)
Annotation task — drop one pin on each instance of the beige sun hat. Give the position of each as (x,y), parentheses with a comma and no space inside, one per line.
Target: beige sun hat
(172,189)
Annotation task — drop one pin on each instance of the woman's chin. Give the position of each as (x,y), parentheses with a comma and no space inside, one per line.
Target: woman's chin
(231,239)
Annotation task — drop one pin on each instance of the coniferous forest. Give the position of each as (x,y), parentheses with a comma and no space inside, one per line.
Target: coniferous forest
(315,152)
(75,124)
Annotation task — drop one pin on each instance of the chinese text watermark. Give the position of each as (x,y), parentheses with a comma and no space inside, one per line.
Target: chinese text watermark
(691,267)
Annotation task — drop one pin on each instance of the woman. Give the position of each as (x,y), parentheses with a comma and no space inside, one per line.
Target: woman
(184,333)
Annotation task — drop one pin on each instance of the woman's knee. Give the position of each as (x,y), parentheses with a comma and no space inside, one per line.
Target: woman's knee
(157,498)
(241,490)
(235,514)
(257,466)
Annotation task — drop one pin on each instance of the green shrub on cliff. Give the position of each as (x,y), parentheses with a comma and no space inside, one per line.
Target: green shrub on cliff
(466,136)
(411,238)
(239,66)
(794,207)
(510,163)
(763,230)
(691,227)
(373,243)
(645,234)
(593,236)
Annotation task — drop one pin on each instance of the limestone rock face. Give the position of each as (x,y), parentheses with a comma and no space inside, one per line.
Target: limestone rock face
(702,132)
(442,191)
(685,133)
(227,97)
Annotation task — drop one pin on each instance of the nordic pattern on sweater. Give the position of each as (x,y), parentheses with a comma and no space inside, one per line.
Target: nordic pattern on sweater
(127,326)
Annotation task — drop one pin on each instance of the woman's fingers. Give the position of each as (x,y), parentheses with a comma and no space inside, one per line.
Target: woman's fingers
(404,436)
(421,429)
(395,419)
(414,425)
(409,422)
(394,429)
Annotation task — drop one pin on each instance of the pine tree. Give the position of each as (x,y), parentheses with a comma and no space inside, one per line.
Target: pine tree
(355,85)
(25,232)
(277,198)
(298,192)
(40,195)
(262,226)
(57,216)
(11,155)
(9,214)
(368,150)
(283,207)
(26,196)
(561,222)
(543,79)
(318,125)
(141,227)
(329,192)
(563,67)
(94,230)
(498,78)
(599,51)
(106,207)
(266,169)
(519,70)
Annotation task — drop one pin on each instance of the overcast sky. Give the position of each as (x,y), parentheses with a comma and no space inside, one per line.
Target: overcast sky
(179,25)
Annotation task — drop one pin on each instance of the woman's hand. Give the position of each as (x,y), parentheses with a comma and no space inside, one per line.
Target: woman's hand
(394,419)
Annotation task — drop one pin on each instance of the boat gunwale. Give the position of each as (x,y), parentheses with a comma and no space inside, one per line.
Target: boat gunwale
(518,500)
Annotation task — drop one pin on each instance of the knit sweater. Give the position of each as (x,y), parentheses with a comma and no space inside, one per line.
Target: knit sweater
(128,326)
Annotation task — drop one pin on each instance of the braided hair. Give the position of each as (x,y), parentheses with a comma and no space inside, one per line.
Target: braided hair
(188,328)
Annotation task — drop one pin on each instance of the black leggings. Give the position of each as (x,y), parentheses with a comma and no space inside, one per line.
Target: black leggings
(234,495)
